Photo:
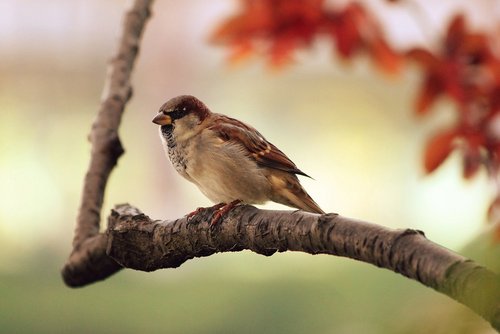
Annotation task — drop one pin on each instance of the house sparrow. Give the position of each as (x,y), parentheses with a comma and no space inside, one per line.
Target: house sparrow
(229,161)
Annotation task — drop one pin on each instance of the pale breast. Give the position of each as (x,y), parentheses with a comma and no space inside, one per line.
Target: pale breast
(222,170)
(224,173)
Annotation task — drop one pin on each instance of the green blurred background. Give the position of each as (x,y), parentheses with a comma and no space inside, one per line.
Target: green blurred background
(349,127)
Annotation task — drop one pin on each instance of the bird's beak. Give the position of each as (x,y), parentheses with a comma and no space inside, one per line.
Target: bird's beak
(162,119)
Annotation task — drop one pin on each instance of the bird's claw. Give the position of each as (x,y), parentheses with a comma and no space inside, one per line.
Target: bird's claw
(191,215)
(221,210)
(200,210)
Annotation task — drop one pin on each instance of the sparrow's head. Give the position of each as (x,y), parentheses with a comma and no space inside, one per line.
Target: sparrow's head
(184,111)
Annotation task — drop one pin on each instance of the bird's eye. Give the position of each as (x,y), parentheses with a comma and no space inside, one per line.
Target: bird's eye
(178,113)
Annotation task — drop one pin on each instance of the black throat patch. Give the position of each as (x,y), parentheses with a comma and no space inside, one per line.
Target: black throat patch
(167,132)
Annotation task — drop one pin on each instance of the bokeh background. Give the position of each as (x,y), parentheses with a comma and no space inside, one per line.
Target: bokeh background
(347,125)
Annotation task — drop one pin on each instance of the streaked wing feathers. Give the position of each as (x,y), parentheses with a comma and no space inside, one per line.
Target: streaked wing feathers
(265,153)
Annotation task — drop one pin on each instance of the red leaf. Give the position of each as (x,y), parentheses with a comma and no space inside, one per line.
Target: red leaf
(386,58)
(310,10)
(281,51)
(423,57)
(255,17)
(438,149)
(275,28)
(477,47)
(472,161)
(452,76)
(429,91)
(346,34)
(240,52)
(455,35)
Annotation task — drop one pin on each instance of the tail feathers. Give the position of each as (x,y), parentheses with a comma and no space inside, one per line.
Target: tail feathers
(288,191)
(305,202)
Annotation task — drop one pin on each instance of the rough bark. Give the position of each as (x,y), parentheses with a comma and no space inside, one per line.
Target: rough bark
(106,148)
(135,241)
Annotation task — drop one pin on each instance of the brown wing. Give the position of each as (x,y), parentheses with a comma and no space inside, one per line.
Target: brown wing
(265,153)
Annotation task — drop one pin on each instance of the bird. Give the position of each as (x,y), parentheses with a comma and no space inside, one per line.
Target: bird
(228,160)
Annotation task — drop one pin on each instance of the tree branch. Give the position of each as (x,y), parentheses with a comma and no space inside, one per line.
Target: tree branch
(106,146)
(137,242)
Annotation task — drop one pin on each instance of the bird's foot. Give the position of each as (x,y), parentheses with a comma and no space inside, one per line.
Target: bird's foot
(199,210)
(221,210)
(190,215)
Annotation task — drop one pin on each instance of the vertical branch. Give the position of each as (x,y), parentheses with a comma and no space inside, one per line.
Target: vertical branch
(106,145)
